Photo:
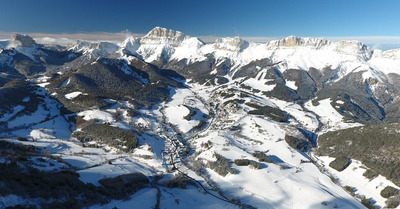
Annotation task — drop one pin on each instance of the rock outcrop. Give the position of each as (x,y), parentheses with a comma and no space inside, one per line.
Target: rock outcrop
(22,40)
(164,36)
(293,41)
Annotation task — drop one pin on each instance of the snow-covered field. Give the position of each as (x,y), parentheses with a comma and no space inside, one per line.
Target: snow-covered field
(178,109)
(329,116)
(353,176)
(74,94)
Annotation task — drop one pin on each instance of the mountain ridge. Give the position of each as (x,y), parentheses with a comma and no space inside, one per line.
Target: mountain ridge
(173,38)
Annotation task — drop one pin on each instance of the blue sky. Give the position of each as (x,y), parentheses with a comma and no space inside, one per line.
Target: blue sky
(217,17)
(246,18)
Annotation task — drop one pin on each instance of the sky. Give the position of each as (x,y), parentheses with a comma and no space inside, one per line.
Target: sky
(208,18)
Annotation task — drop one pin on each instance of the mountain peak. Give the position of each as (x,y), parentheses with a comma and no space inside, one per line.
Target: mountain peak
(293,41)
(163,32)
(231,44)
(159,35)
(354,47)
(22,40)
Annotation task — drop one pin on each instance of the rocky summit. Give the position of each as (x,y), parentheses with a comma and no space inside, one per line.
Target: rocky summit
(160,35)
(22,40)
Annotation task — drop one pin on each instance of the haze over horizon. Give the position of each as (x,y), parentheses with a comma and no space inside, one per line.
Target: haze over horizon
(373,23)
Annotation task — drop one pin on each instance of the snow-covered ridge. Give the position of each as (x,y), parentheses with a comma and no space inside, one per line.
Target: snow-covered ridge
(100,48)
(231,44)
(354,47)
(390,54)
(130,45)
(386,61)
(162,45)
(93,50)
(343,47)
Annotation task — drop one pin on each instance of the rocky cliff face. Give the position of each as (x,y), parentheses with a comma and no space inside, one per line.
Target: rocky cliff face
(344,47)
(162,35)
(22,40)
(293,41)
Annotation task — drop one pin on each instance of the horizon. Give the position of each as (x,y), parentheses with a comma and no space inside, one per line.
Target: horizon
(371,22)
(383,43)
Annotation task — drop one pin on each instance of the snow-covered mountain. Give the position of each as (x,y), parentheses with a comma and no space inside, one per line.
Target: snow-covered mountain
(293,51)
(165,120)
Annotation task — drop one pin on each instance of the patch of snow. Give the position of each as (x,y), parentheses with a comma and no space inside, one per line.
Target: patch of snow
(42,134)
(74,94)
(97,114)
(43,84)
(259,84)
(41,79)
(291,84)
(331,119)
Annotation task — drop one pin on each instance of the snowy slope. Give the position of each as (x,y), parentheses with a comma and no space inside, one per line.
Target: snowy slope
(292,52)
(92,50)
(165,45)
(287,179)
(353,176)
(386,61)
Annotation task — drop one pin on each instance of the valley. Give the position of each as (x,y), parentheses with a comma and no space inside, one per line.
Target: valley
(168,121)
